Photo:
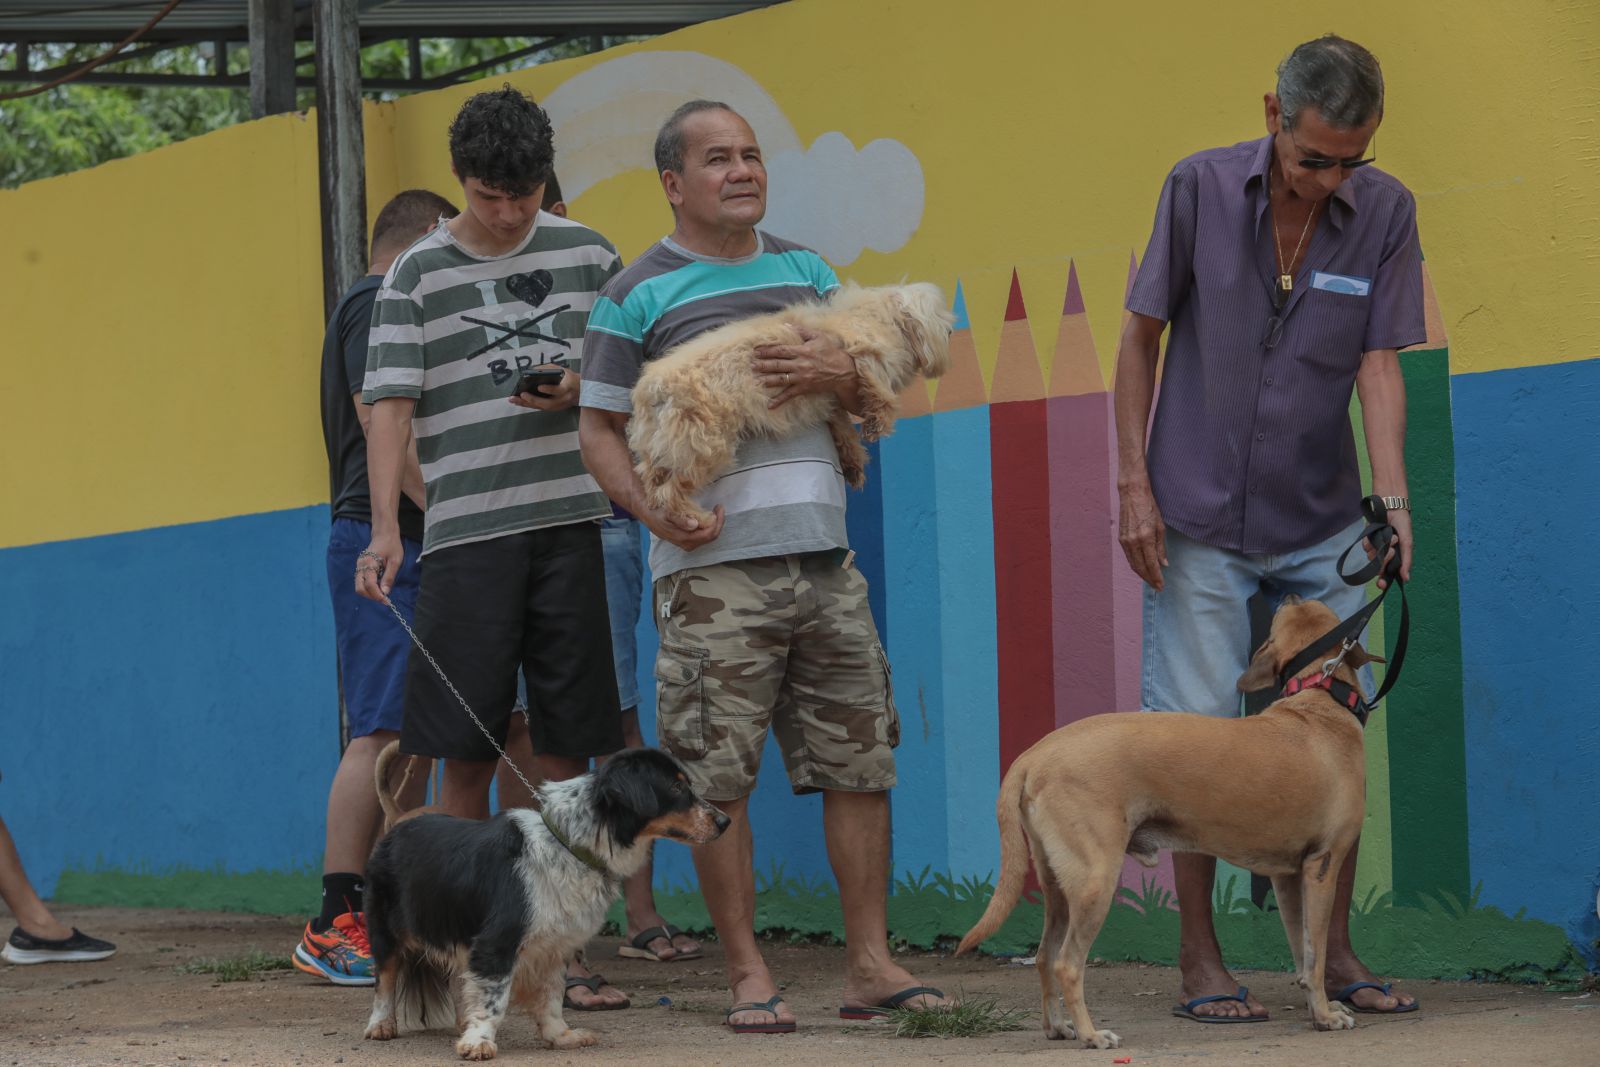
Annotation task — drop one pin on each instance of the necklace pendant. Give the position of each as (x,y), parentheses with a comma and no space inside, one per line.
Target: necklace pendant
(1286,282)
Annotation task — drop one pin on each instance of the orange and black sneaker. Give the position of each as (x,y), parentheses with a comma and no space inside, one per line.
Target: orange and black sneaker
(340,953)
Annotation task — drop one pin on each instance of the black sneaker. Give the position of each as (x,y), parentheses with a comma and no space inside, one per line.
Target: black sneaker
(23,947)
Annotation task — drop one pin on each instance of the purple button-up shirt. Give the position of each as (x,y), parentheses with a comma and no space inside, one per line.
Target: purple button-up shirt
(1251,448)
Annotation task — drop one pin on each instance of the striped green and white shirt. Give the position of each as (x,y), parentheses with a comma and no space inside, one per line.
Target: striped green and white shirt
(454,330)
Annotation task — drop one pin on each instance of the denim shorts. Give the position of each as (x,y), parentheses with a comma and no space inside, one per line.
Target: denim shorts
(373,647)
(1197,629)
(623,544)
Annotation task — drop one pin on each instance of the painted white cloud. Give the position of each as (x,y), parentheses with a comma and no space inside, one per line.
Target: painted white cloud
(832,196)
(842,200)
(606,117)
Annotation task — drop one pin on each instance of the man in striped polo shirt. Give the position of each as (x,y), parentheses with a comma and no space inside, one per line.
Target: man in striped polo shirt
(514,574)
(764,621)
(1289,271)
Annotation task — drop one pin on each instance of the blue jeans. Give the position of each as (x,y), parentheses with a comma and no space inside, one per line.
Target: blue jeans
(622,542)
(1197,628)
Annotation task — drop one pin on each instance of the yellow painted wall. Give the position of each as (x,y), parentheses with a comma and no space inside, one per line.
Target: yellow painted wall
(189,276)
(164,319)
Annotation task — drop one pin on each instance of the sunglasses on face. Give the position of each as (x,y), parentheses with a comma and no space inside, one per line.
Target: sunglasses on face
(1312,162)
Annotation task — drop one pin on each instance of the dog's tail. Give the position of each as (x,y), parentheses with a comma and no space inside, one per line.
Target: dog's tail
(1013,859)
(380,779)
(423,999)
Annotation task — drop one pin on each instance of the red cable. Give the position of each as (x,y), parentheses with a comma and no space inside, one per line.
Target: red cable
(98,60)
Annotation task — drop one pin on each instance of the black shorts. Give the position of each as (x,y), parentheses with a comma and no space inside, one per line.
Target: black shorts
(535,600)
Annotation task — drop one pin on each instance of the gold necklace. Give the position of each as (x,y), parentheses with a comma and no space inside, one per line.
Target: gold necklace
(1285,279)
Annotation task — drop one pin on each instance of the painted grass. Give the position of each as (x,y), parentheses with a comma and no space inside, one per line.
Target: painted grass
(257,892)
(1442,937)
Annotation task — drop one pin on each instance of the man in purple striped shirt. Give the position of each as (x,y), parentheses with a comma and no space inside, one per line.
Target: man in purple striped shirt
(1289,272)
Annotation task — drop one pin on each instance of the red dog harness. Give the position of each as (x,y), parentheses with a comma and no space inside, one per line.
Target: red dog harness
(1344,694)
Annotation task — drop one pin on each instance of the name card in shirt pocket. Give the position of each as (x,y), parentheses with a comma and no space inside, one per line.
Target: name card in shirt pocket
(1348,284)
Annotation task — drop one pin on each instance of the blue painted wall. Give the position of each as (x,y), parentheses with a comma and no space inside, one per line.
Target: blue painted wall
(1528,470)
(169,697)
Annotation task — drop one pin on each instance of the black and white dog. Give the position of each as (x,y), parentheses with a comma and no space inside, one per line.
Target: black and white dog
(465,916)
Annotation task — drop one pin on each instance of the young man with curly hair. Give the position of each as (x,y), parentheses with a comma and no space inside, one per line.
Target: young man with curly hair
(515,575)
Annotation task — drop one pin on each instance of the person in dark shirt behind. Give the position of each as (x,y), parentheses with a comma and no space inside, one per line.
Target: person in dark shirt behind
(373,650)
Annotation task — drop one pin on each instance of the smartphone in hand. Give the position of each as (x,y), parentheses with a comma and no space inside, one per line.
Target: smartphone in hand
(532,380)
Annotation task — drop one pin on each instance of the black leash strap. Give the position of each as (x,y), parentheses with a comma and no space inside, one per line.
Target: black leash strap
(1382,537)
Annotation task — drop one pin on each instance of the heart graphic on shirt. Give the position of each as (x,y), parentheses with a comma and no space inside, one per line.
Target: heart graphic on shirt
(532,287)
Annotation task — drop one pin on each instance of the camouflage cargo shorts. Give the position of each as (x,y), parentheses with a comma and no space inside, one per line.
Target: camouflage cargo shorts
(782,643)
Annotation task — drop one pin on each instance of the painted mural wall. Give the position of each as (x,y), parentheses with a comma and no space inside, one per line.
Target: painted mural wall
(167,681)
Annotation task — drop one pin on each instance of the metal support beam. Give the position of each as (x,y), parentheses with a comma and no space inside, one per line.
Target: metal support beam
(341,153)
(271,57)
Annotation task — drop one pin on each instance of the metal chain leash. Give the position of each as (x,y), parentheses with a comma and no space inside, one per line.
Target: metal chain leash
(401,619)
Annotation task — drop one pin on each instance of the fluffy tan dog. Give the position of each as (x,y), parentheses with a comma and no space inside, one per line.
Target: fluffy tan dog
(693,406)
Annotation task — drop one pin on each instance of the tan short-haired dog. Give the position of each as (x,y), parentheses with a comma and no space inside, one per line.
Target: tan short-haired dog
(693,406)
(1281,793)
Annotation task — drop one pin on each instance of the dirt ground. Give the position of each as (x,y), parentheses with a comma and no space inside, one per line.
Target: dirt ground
(138,1008)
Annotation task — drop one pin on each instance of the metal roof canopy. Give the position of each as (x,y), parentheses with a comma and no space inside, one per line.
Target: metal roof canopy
(340,28)
(87,21)
(279,23)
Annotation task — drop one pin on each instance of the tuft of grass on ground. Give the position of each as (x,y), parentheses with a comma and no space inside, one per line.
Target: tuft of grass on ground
(237,968)
(969,1018)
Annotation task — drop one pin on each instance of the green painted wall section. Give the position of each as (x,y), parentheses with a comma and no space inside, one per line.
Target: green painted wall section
(1427,733)
(258,892)
(1375,865)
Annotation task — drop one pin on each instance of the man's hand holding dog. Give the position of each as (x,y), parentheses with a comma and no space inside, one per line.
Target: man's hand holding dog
(558,397)
(681,530)
(818,364)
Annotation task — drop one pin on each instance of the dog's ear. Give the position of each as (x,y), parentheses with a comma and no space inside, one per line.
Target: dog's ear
(625,801)
(1263,670)
(1360,657)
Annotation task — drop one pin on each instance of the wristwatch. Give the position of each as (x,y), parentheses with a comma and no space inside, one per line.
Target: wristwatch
(1396,503)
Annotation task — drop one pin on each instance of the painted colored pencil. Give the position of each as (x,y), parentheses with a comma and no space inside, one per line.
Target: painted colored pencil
(1019,445)
(911,584)
(1083,555)
(965,534)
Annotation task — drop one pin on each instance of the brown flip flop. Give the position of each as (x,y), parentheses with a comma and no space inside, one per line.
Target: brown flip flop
(769,1006)
(637,947)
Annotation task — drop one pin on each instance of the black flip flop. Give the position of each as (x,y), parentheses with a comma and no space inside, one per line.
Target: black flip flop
(770,1006)
(888,1004)
(592,984)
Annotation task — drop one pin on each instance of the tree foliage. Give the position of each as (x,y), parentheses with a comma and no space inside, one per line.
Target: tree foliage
(76,126)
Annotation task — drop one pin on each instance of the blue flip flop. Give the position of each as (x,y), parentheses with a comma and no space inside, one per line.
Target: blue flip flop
(1186,1009)
(882,1008)
(1344,996)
